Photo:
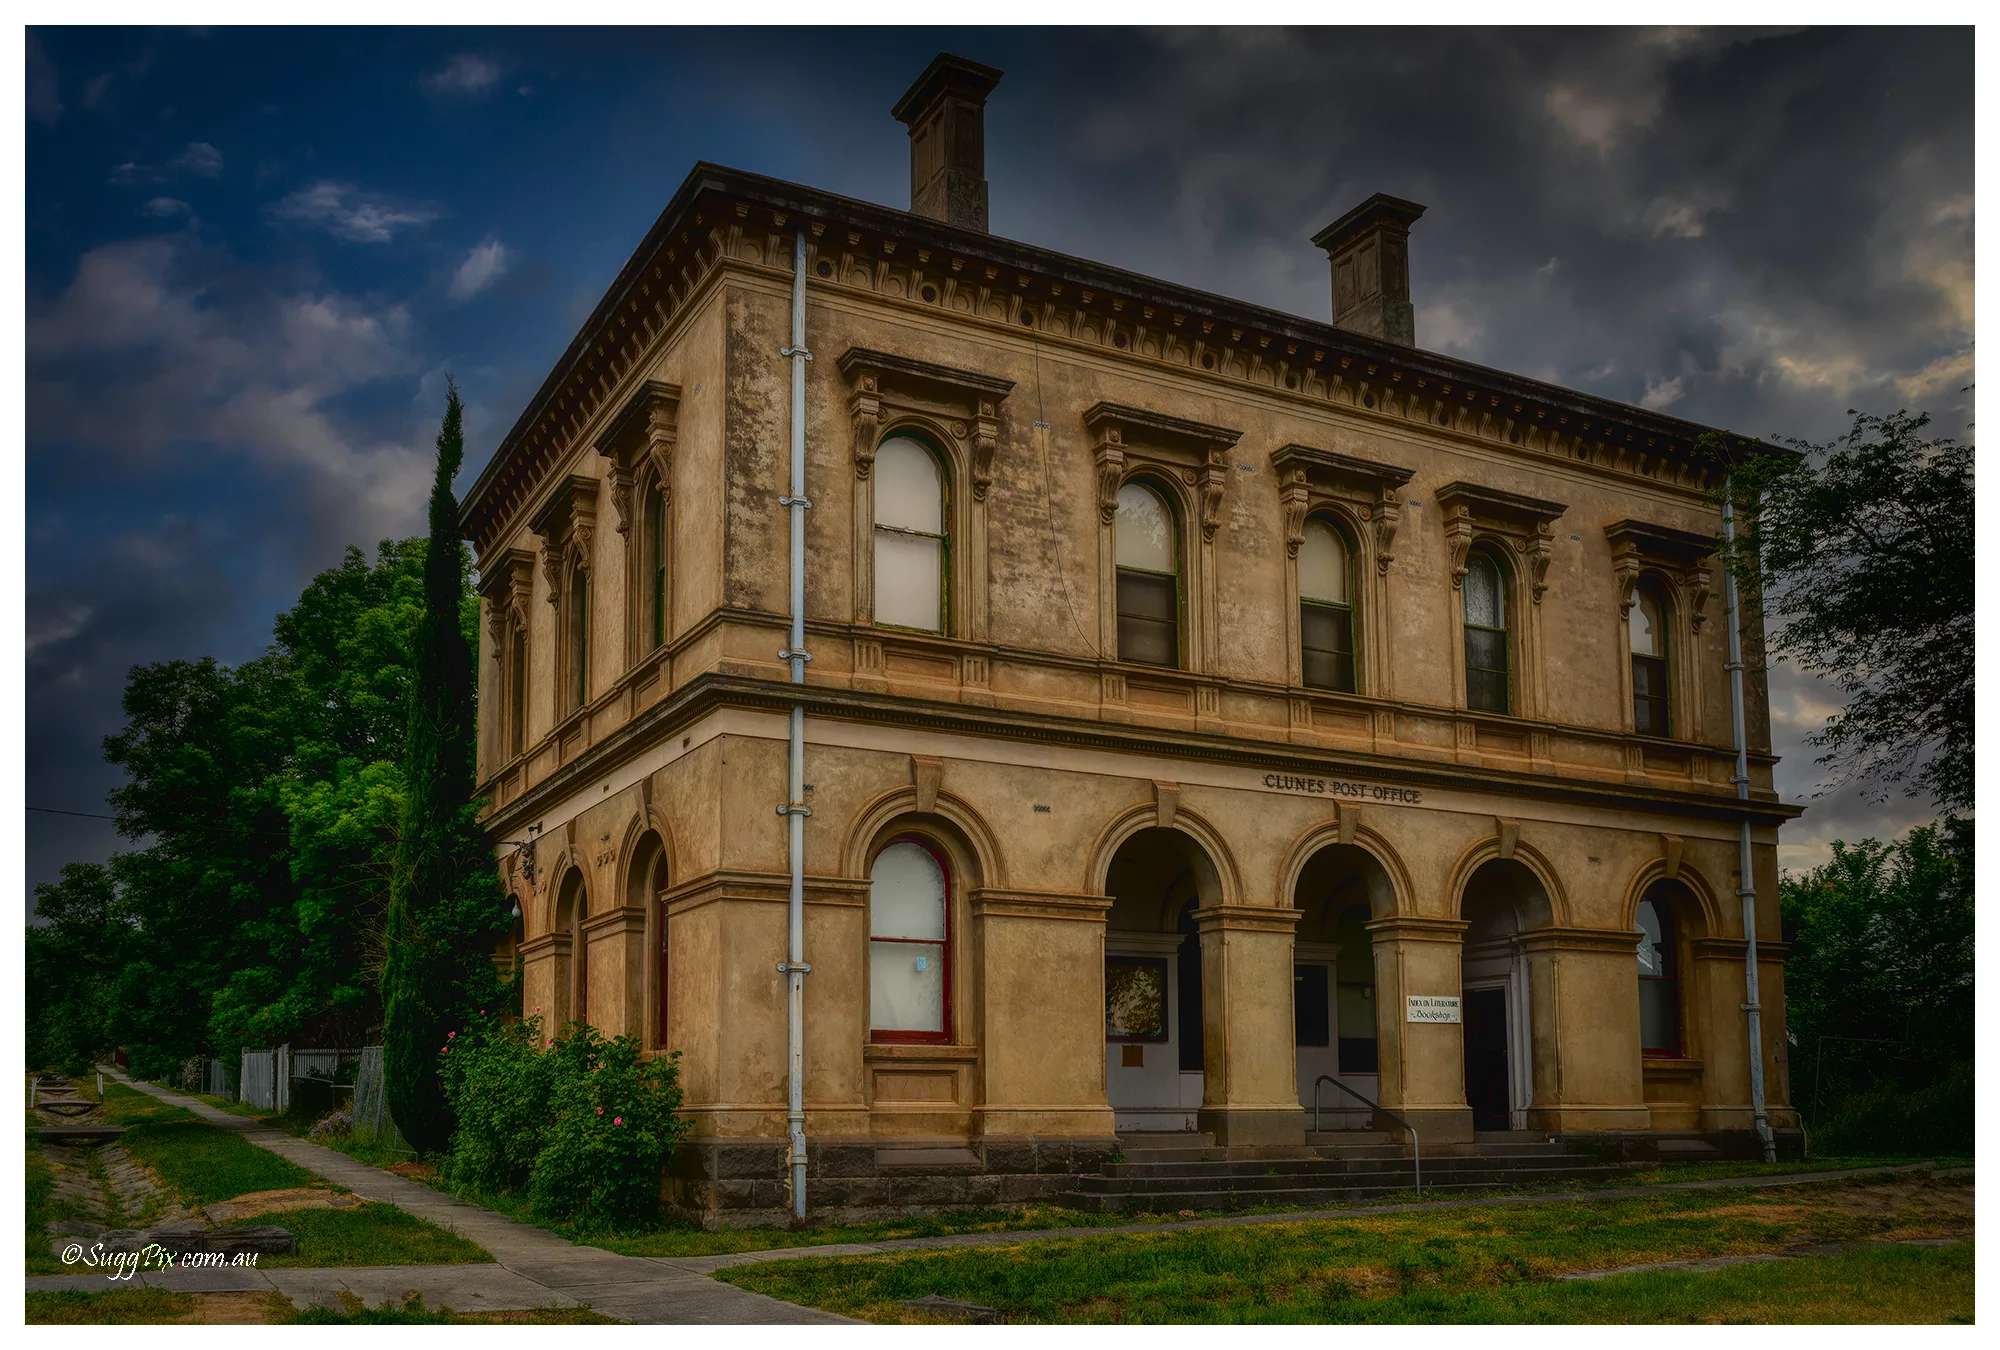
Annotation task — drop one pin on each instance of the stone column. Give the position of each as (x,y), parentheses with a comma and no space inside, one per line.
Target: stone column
(1713,1007)
(545,980)
(1422,1064)
(617,956)
(1250,1090)
(1583,1012)
(1041,1015)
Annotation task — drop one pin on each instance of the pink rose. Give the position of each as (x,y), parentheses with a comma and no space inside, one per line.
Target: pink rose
(451,1035)
(617,1120)
(600,1110)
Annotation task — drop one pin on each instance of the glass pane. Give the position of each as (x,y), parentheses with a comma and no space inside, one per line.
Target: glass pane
(909,493)
(906,894)
(909,581)
(1659,1021)
(1326,641)
(1648,636)
(1486,669)
(1656,953)
(579,613)
(1323,564)
(1148,619)
(1484,602)
(906,986)
(1145,529)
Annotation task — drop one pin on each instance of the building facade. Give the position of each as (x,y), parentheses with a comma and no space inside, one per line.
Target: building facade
(1202,701)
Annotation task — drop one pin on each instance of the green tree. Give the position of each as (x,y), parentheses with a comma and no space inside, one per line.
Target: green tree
(73,959)
(1879,991)
(1863,548)
(445,911)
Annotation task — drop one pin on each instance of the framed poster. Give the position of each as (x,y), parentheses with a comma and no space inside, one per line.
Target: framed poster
(1135,998)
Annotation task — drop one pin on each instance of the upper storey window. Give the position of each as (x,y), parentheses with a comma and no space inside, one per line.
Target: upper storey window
(1486,682)
(1148,578)
(1649,662)
(579,637)
(1326,607)
(656,567)
(911,544)
(517,692)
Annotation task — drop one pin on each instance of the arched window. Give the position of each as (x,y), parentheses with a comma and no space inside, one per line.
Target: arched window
(1326,608)
(1659,981)
(1149,603)
(909,944)
(572,910)
(659,889)
(1649,662)
(1485,634)
(910,536)
(656,565)
(579,637)
(517,693)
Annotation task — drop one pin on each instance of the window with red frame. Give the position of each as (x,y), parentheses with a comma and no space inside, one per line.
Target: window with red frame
(909,943)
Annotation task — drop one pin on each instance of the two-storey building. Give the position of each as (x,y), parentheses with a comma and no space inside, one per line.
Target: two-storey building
(1202,700)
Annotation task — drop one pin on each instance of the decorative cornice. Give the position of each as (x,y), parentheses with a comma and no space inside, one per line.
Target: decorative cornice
(720,214)
(507,585)
(1527,522)
(1682,554)
(567,524)
(974,396)
(1373,488)
(1114,426)
(644,431)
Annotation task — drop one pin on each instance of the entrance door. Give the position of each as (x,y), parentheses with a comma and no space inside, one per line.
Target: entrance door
(1486,1058)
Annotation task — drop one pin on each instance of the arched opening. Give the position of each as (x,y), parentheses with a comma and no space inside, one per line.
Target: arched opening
(648,895)
(1326,607)
(909,942)
(912,543)
(1334,1010)
(1148,565)
(1502,899)
(1666,914)
(573,970)
(1156,1040)
(1651,715)
(1487,682)
(656,567)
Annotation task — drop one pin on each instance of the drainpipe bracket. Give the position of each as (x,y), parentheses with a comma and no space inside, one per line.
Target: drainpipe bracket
(805,502)
(794,809)
(795,351)
(787,654)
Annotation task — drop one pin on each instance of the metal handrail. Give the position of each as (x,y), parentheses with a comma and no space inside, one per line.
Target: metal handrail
(1416,1148)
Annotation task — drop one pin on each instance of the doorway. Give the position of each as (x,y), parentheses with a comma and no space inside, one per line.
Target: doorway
(1486,1076)
(1154,1028)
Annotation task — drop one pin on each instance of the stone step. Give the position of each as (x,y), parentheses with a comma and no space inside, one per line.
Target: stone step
(1307,1197)
(1381,1178)
(1338,1166)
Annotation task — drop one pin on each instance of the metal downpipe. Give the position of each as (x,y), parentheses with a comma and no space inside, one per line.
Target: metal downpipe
(1746,889)
(794,809)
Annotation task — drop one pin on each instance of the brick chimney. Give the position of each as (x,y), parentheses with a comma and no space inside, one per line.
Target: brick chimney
(945,111)
(1370,251)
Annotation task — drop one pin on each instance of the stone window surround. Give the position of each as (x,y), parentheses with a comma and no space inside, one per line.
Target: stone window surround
(507,586)
(567,525)
(1189,461)
(956,413)
(1519,530)
(1365,499)
(1677,562)
(638,450)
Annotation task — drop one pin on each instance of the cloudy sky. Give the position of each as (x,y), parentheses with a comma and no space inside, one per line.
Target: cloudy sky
(251,256)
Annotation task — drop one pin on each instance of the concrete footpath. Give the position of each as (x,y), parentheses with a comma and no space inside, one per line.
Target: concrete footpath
(534,1269)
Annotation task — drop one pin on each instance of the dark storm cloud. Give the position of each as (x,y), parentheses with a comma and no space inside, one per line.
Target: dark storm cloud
(252,254)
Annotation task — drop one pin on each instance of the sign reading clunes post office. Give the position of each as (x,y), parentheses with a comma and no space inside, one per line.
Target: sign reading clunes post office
(1431,1008)
(1334,787)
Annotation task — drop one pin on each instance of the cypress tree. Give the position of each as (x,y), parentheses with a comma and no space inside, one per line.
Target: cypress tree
(444,896)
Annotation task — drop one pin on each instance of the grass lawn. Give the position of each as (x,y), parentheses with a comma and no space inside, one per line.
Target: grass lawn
(203,1164)
(42,1208)
(686,1239)
(129,1307)
(1447,1265)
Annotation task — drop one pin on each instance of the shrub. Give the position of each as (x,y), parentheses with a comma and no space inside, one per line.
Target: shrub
(584,1126)
(339,1125)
